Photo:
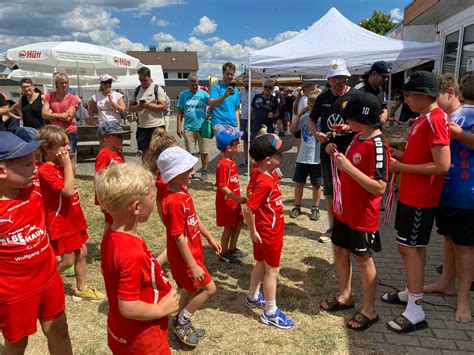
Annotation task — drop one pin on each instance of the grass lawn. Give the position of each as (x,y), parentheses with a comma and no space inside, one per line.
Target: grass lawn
(307,277)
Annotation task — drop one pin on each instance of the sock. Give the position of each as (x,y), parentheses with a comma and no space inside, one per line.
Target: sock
(253,292)
(314,208)
(414,311)
(270,307)
(184,317)
(298,206)
(403,295)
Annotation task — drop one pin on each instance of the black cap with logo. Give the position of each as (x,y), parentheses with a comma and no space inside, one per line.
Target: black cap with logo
(267,145)
(422,82)
(363,108)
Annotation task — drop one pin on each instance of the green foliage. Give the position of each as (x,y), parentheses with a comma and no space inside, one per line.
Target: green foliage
(379,23)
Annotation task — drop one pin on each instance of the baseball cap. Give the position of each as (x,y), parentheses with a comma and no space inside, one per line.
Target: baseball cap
(12,146)
(110,127)
(174,161)
(267,145)
(106,77)
(363,108)
(337,67)
(28,134)
(224,138)
(380,67)
(422,82)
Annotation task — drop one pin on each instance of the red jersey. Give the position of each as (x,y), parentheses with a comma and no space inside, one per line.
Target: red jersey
(371,157)
(106,158)
(423,191)
(64,215)
(267,204)
(131,273)
(253,177)
(61,106)
(180,218)
(227,175)
(27,261)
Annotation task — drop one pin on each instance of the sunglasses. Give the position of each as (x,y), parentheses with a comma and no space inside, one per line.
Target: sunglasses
(108,82)
(268,87)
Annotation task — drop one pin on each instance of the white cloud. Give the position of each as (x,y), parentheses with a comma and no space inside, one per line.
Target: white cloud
(206,26)
(213,39)
(257,42)
(159,22)
(396,15)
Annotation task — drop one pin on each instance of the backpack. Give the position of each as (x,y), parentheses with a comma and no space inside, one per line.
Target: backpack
(155,90)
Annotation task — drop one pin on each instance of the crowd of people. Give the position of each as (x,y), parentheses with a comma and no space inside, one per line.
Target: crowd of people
(341,148)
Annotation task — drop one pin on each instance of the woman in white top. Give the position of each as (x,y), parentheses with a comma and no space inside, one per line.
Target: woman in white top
(110,104)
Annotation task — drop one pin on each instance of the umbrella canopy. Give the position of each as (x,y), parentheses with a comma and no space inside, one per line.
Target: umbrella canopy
(39,78)
(72,58)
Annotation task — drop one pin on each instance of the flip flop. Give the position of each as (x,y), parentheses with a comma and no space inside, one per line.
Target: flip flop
(334,305)
(392,298)
(362,320)
(406,326)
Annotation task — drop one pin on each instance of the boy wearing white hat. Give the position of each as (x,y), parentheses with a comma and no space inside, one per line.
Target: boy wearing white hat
(183,235)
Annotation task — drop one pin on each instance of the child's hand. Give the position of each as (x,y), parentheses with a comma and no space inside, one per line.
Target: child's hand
(170,302)
(241,200)
(256,237)
(342,163)
(198,273)
(393,165)
(63,158)
(331,148)
(214,245)
(396,154)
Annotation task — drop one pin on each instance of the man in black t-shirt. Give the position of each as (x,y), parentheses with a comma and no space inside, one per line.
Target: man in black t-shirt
(373,83)
(265,109)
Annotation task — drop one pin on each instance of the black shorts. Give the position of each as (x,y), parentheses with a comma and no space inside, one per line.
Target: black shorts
(357,242)
(144,137)
(414,225)
(302,171)
(457,223)
(327,177)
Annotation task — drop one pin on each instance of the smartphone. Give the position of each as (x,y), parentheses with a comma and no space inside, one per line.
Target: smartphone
(233,85)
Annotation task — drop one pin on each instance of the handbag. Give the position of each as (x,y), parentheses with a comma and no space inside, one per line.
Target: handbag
(206,129)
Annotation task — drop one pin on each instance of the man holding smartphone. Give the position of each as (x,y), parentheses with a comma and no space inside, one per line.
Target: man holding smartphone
(149,102)
(225,102)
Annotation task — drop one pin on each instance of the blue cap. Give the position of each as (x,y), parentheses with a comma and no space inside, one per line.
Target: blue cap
(12,146)
(108,128)
(224,138)
(28,134)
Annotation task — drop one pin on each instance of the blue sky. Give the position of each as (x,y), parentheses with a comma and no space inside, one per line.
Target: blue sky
(218,31)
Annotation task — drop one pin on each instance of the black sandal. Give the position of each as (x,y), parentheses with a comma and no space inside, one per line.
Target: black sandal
(406,326)
(335,306)
(392,298)
(362,320)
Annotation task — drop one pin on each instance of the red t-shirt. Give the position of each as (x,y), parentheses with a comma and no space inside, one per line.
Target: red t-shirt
(227,175)
(64,215)
(253,177)
(267,204)
(27,261)
(423,191)
(180,218)
(361,209)
(60,106)
(106,158)
(131,273)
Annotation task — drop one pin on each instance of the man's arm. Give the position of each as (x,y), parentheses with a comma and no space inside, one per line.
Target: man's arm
(179,124)
(213,102)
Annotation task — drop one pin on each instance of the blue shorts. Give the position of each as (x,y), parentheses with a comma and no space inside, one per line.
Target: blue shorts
(73,136)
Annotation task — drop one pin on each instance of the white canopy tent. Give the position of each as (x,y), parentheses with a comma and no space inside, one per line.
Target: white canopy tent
(130,82)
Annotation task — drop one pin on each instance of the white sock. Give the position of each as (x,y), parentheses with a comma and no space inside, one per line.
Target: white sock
(414,311)
(184,317)
(270,306)
(253,292)
(403,295)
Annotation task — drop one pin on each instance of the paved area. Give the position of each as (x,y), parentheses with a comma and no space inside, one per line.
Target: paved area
(444,335)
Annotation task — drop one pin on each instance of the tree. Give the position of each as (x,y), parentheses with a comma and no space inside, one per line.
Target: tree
(379,23)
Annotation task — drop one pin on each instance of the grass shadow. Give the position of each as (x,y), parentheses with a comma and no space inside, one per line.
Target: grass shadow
(85,177)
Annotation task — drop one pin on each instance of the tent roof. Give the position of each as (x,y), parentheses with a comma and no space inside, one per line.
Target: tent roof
(334,36)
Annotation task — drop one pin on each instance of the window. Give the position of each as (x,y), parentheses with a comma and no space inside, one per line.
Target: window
(165,75)
(185,75)
(467,49)
(450,52)
(180,75)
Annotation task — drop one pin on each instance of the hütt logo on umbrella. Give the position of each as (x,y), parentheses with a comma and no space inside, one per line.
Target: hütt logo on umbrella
(30,54)
(123,62)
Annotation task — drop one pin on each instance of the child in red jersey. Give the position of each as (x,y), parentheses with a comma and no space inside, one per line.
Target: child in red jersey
(31,287)
(139,293)
(110,135)
(364,175)
(67,227)
(183,235)
(263,214)
(422,168)
(228,199)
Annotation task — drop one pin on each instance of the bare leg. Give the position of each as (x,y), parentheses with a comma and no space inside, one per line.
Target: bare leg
(258,272)
(316,195)
(204,161)
(80,265)
(299,187)
(465,274)
(414,261)
(225,237)
(67,260)
(246,151)
(57,333)
(270,282)
(235,236)
(328,200)
(17,348)
(344,275)
(198,298)
(446,283)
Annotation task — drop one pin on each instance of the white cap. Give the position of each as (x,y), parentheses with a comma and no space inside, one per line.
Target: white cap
(106,77)
(174,161)
(337,67)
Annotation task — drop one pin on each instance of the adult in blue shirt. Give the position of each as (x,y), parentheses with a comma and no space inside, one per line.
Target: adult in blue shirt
(225,102)
(192,111)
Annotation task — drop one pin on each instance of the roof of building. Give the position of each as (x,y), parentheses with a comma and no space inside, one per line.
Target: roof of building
(169,60)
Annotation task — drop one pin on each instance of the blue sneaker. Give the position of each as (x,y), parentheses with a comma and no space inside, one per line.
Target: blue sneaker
(278,319)
(258,303)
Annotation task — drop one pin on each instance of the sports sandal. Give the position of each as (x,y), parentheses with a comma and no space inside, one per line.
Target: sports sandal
(406,326)
(362,321)
(392,298)
(334,305)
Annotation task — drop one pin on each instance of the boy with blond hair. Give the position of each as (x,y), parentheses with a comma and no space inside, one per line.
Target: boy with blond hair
(139,293)
(31,287)
(65,220)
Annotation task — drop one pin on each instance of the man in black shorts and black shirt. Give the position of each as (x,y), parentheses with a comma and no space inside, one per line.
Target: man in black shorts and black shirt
(332,128)
(373,83)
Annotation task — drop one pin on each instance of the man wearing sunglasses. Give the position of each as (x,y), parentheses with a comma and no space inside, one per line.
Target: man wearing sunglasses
(264,109)
(374,82)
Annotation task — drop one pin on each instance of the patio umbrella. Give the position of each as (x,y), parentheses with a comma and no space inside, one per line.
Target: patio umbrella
(39,78)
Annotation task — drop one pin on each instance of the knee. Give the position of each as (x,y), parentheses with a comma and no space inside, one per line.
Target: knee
(211,288)
(363,260)
(18,347)
(340,252)
(83,252)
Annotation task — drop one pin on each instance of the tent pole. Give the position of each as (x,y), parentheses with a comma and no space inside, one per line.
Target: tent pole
(78,83)
(390,87)
(249,107)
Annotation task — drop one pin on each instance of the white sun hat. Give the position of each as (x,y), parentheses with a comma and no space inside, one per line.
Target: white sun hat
(174,161)
(337,67)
